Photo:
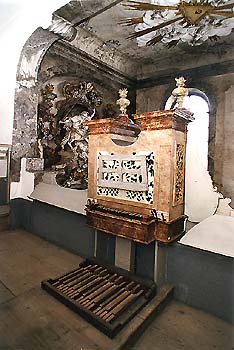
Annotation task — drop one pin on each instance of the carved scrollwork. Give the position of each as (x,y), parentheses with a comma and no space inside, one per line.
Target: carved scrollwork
(179,174)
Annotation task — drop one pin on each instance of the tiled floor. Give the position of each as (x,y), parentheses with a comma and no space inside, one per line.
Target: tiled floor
(30,319)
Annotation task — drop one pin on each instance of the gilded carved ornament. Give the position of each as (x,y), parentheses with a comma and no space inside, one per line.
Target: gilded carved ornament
(191,21)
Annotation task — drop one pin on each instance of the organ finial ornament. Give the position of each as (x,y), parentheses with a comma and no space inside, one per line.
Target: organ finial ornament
(123,102)
(180,91)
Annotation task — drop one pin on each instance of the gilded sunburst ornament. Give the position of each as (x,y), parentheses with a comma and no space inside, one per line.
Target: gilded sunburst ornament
(192,21)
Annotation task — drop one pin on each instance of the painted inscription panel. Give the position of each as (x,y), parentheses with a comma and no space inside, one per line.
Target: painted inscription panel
(126,177)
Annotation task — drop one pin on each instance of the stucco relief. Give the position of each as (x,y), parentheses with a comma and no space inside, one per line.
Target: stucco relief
(62,134)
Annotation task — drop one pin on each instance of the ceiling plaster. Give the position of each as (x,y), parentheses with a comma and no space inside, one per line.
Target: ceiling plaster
(101,35)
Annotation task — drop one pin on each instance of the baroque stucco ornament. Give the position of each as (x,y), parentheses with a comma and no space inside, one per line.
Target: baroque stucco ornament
(63,136)
(173,21)
(63,28)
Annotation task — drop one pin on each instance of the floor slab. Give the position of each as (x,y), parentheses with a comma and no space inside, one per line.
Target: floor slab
(180,326)
(5,293)
(30,319)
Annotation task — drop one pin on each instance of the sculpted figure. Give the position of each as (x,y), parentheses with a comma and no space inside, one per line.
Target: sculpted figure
(76,132)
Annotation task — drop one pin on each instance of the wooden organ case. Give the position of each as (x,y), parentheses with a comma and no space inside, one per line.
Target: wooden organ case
(136,175)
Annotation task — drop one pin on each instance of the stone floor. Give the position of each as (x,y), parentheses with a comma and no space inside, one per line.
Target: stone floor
(30,319)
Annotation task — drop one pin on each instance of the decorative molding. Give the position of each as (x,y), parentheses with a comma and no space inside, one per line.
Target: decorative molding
(78,56)
(120,126)
(163,78)
(177,120)
(99,126)
(31,57)
(78,12)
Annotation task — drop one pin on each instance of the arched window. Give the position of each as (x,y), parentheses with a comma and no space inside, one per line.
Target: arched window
(201,199)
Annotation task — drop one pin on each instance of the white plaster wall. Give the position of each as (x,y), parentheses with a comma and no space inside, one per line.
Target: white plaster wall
(25,187)
(18,20)
(228,150)
(48,191)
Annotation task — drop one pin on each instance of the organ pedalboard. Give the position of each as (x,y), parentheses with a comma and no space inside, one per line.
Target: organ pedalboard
(106,296)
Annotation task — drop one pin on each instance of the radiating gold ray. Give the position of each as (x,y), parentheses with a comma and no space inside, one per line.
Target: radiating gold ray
(143,6)
(154,40)
(183,21)
(131,21)
(152,29)
(221,13)
(224,7)
(189,12)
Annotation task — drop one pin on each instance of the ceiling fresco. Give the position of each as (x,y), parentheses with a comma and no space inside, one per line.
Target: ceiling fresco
(100,21)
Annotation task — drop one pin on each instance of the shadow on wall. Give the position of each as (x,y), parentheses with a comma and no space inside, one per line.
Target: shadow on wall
(202,279)
(62,227)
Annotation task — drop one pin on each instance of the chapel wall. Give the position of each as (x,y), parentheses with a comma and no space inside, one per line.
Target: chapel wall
(220,91)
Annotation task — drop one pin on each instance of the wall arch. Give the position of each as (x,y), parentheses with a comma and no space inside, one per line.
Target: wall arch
(24,141)
(207,94)
(201,199)
(205,91)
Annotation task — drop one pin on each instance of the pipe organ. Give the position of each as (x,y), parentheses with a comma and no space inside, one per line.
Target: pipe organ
(136,175)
